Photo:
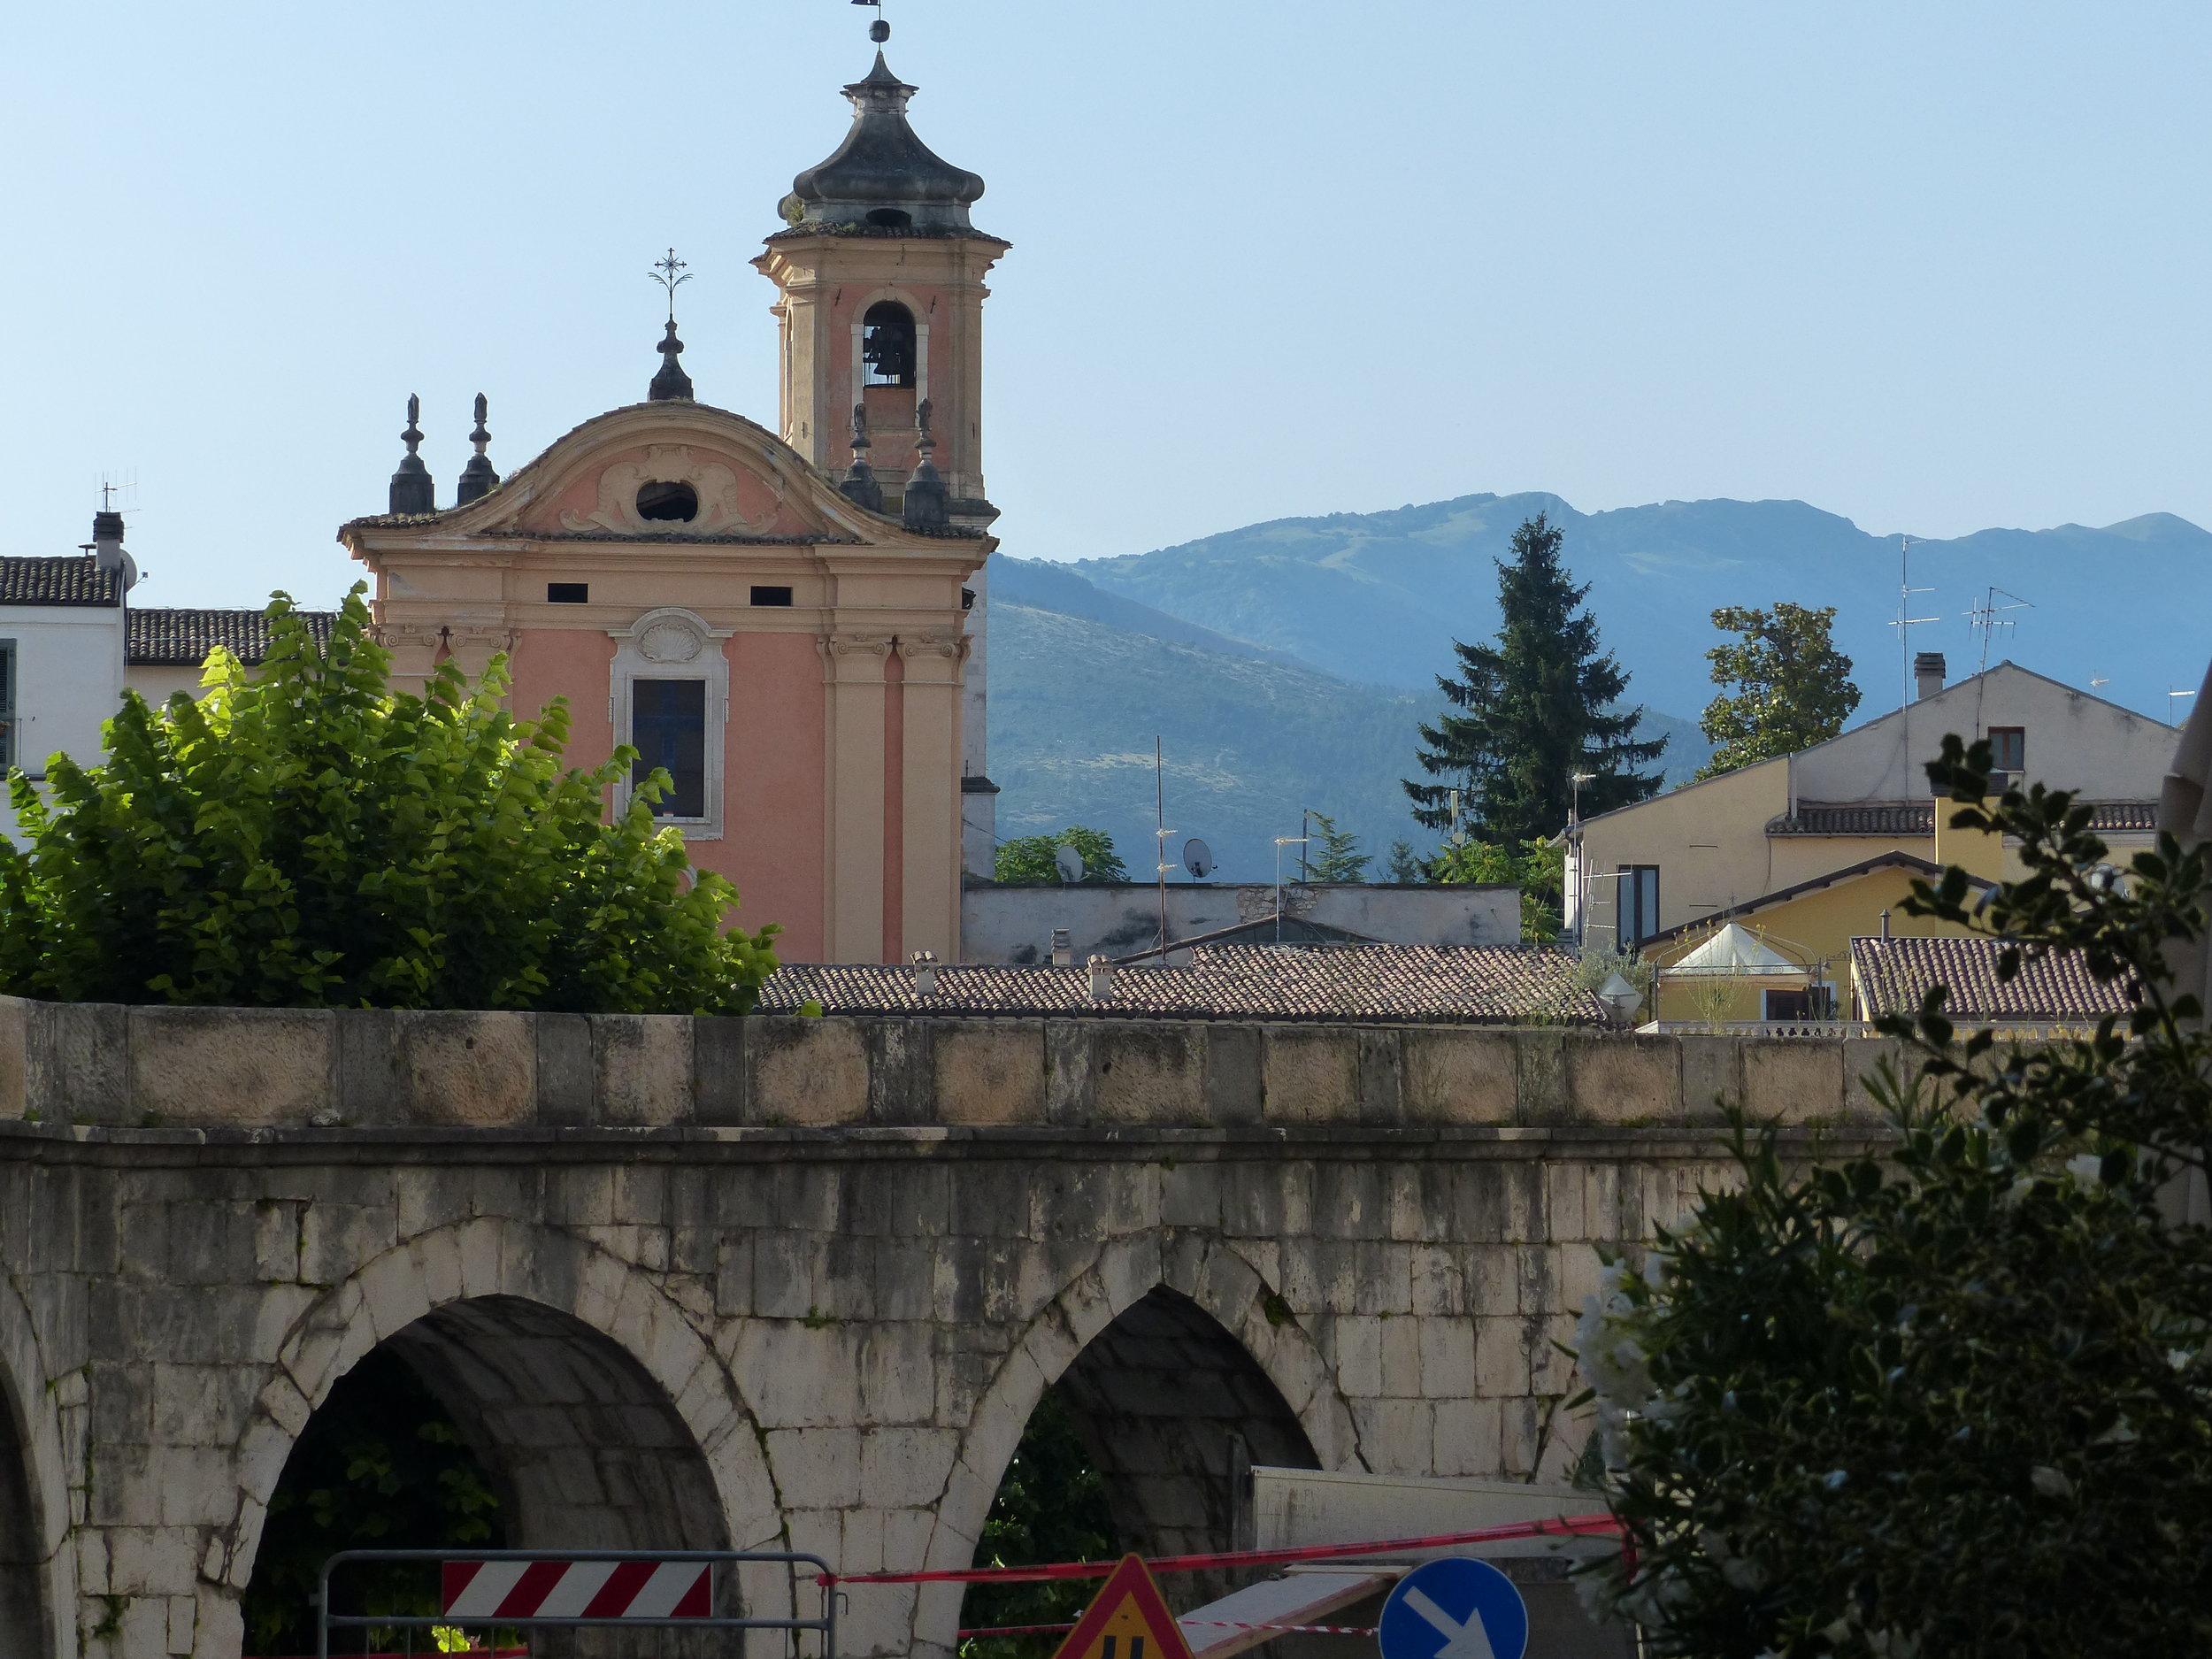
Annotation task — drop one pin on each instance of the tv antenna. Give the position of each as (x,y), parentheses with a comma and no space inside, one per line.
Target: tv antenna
(2170,704)
(1160,865)
(1906,621)
(1987,617)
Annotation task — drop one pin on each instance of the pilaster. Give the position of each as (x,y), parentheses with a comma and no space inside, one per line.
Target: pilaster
(853,671)
(930,899)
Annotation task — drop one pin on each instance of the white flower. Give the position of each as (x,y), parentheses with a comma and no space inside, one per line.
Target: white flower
(2087,1170)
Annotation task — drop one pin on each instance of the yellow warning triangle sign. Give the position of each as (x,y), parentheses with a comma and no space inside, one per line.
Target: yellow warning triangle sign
(1127,1621)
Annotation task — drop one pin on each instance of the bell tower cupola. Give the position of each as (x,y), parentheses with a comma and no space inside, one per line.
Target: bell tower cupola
(879,278)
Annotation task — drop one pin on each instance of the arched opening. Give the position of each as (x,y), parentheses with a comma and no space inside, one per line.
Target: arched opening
(23,1623)
(667,502)
(887,344)
(890,219)
(1144,1443)
(492,1423)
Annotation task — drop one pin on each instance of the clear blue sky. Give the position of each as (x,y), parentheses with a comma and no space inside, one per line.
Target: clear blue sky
(1935,268)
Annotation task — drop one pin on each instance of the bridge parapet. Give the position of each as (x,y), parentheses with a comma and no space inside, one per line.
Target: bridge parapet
(260,1068)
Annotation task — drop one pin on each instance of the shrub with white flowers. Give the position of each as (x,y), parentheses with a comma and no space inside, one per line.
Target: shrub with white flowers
(1955,1399)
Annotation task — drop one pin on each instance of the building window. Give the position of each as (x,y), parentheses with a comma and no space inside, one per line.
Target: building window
(2008,748)
(668,727)
(887,344)
(7,704)
(1638,902)
(568,593)
(669,697)
(771,595)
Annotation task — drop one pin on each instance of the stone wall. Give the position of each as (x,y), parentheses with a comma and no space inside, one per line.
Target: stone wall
(211,1068)
(697,1284)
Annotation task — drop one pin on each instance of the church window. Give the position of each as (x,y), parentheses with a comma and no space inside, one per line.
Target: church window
(891,218)
(887,344)
(668,502)
(568,593)
(771,595)
(668,727)
(7,704)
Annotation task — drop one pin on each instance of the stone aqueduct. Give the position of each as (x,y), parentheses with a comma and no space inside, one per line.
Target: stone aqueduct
(794,1283)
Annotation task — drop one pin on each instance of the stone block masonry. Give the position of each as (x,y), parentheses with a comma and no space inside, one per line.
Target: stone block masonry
(731,1283)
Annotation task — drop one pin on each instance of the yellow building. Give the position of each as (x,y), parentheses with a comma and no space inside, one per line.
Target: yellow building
(1806,836)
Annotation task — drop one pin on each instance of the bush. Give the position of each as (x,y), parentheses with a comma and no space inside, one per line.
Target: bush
(1955,1400)
(1032,860)
(306,838)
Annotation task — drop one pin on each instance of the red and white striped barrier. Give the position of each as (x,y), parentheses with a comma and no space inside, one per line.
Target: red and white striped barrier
(577,1589)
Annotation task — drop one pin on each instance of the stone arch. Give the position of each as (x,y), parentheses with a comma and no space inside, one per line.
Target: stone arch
(1139,1307)
(570,1371)
(38,1590)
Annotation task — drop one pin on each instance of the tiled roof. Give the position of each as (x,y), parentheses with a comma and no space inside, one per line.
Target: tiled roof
(1893,975)
(1892,860)
(1917,818)
(58,582)
(1857,818)
(1385,984)
(184,638)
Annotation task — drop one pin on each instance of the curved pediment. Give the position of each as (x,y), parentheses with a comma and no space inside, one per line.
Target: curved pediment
(668,471)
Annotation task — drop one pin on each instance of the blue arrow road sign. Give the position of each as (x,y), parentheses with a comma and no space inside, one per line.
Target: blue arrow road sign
(1454,1609)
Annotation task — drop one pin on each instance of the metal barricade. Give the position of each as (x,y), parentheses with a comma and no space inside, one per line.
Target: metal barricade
(491,1596)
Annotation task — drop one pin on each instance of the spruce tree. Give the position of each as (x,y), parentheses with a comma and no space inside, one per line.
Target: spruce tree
(1533,710)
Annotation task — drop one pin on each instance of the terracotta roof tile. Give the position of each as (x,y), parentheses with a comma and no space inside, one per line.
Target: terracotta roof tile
(1917,818)
(58,582)
(1894,975)
(184,638)
(1389,984)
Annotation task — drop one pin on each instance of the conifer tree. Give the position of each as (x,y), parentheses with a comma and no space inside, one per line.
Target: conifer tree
(1340,860)
(1533,709)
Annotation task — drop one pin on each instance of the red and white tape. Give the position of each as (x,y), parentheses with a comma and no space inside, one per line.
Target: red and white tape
(577,1589)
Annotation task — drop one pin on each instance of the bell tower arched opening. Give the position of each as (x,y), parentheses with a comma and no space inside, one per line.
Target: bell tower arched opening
(532,1430)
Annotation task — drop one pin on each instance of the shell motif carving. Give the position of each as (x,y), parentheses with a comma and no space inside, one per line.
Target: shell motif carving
(670,641)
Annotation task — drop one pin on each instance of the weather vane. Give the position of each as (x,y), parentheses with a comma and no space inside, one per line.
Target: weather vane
(879,31)
(672,273)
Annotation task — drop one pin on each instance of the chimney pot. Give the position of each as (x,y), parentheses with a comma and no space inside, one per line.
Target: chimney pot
(1928,670)
(1101,979)
(925,973)
(1063,949)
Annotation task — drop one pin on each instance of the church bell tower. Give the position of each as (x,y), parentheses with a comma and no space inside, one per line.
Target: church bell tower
(880,296)
(880,279)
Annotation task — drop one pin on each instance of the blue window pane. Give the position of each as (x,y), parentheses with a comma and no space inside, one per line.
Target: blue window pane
(668,725)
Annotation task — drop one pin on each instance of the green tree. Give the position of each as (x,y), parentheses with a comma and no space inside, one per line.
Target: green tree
(1341,859)
(306,838)
(1404,867)
(380,1466)
(1955,1399)
(1536,708)
(1033,860)
(1050,1506)
(1540,870)
(1792,687)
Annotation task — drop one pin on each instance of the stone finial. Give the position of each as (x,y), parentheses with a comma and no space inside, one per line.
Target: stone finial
(928,504)
(413,490)
(859,485)
(672,384)
(479,476)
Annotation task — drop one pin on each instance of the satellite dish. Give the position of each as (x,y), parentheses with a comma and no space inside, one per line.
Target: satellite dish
(1070,863)
(1198,858)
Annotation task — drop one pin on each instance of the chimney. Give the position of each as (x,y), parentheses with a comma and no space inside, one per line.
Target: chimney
(925,973)
(1063,951)
(107,547)
(1927,674)
(1101,979)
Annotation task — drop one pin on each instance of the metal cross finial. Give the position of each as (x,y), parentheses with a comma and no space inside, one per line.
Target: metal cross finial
(666,272)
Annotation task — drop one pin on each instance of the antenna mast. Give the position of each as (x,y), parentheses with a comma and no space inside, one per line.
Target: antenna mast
(1161,833)
(1984,617)
(1906,621)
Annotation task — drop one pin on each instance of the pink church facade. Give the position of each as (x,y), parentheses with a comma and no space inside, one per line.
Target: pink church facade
(790,642)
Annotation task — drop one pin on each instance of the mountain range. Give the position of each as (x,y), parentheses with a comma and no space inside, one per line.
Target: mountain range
(1285,665)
